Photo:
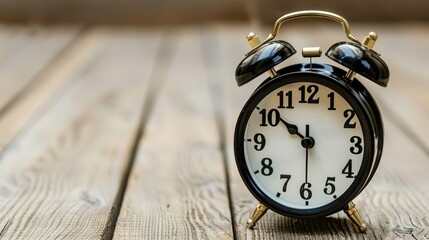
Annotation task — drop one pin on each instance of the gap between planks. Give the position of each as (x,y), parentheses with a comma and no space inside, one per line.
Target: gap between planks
(210,44)
(156,81)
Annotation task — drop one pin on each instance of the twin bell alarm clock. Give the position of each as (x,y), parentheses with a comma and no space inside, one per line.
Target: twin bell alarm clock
(310,137)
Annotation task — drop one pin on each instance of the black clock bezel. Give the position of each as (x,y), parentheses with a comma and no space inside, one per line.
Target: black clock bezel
(332,80)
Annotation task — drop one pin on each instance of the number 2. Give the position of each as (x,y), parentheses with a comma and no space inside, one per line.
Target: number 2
(349,114)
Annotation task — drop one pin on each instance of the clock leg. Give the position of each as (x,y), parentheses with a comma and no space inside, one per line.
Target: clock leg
(257,214)
(354,215)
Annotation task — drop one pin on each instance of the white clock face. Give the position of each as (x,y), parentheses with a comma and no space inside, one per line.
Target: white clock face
(303,145)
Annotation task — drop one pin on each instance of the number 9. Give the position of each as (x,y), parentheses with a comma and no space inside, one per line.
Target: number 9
(260,141)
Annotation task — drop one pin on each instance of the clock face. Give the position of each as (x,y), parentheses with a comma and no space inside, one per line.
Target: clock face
(303,145)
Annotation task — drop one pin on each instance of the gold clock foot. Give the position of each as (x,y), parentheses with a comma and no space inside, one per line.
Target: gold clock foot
(354,215)
(257,214)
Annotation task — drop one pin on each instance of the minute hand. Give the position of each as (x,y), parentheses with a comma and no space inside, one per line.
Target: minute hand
(292,129)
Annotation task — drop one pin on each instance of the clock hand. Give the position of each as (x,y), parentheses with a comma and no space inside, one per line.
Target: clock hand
(306,164)
(303,142)
(307,142)
(292,129)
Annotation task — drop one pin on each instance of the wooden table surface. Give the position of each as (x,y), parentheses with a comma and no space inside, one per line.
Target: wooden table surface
(126,133)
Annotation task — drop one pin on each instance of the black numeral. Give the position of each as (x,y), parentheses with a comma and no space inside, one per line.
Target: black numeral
(302,89)
(281,99)
(287,177)
(289,99)
(260,141)
(357,148)
(266,169)
(305,191)
(329,186)
(347,170)
(273,117)
(312,89)
(331,97)
(349,114)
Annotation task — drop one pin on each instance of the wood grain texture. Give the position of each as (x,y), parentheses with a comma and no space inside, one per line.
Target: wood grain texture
(393,204)
(177,189)
(24,52)
(30,102)
(59,178)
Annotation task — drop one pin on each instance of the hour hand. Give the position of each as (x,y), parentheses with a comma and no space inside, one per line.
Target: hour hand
(292,129)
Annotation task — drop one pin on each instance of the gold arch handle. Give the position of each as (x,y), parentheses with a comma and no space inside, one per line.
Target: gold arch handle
(306,14)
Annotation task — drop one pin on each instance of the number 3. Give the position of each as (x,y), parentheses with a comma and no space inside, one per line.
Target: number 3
(357,148)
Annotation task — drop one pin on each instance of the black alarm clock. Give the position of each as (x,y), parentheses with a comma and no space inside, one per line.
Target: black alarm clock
(310,137)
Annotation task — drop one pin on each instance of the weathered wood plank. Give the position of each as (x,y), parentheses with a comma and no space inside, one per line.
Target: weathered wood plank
(393,204)
(177,188)
(28,103)
(24,52)
(27,53)
(59,178)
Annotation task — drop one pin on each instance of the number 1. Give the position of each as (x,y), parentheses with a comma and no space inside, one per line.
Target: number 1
(331,97)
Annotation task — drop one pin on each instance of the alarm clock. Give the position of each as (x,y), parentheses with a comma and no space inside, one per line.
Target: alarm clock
(310,137)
